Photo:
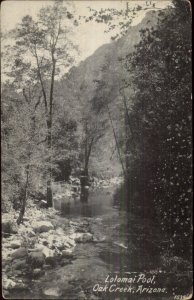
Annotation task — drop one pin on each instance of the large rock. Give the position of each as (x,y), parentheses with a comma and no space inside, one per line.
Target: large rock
(49,255)
(99,239)
(38,272)
(19,253)
(36,259)
(15,244)
(42,226)
(59,245)
(42,204)
(30,232)
(8,225)
(42,249)
(19,264)
(54,292)
(8,283)
(59,231)
(83,237)
(67,254)
(21,286)
(48,252)
(74,180)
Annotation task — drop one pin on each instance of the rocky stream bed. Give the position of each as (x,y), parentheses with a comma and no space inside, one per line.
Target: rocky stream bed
(63,253)
(44,242)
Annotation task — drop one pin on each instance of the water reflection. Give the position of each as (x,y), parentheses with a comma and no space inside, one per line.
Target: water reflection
(84,194)
(140,229)
(127,233)
(90,203)
(65,208)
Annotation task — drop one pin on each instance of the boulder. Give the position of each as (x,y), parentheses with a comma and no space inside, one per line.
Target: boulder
(42,204)
(19,264)
(37,248)
(54,292)
(83,237)
(42,226)
(99,239)
(74,180)
(30,232)
(52,261)
(36,259)
(37,195)
(19,253)
(48,252)
(67,254)
(38,272)
(59,245)
(15,244)
(21,286)
(8,283)
(42,249)
(8,225)
(59,231)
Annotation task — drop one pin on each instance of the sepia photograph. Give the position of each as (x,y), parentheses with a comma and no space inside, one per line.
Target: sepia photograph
(96,142)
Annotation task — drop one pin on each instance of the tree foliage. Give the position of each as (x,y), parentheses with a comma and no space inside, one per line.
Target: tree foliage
(161,118)
(41,49)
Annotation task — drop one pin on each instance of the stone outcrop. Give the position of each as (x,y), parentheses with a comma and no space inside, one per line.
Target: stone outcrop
(42,226)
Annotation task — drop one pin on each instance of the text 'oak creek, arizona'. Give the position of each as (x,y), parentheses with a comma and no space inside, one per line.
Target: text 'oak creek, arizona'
(136,284)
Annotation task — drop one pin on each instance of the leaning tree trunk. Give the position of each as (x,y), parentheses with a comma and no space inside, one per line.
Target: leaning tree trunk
(24,198)
(49,128)
(116,141)
(49,179)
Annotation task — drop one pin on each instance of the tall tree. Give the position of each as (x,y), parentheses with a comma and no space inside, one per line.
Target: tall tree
(20,144)
(93,121)
(45,46)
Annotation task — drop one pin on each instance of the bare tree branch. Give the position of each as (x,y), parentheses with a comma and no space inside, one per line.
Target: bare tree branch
(41,81)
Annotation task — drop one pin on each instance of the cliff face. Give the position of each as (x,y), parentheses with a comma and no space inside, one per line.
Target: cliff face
(111,53)
(106,65)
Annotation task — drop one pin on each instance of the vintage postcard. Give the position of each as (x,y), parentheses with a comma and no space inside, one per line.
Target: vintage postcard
(96,150)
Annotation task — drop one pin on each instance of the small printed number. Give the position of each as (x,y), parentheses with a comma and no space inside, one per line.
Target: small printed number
(178,297)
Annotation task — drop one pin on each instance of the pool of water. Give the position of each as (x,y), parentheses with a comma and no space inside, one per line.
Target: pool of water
(123,250)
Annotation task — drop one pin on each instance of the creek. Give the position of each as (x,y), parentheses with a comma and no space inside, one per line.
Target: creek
(92,262)
(121,248)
